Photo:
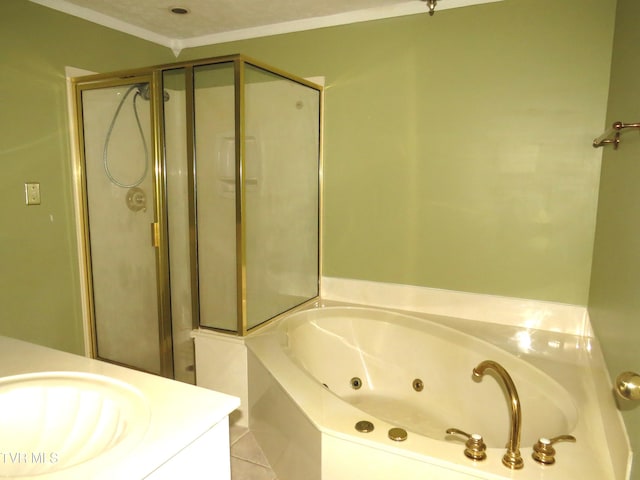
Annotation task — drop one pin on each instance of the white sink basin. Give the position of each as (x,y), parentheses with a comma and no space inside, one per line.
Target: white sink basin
(51,421)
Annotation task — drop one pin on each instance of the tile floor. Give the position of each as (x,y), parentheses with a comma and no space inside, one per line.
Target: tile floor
(247,460)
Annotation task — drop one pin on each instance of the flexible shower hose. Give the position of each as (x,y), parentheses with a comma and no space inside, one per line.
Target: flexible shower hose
(105,152)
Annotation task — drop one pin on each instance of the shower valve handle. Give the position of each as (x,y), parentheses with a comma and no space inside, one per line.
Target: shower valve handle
(475,448)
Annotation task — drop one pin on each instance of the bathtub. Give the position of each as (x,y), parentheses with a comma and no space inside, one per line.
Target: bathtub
(316,373)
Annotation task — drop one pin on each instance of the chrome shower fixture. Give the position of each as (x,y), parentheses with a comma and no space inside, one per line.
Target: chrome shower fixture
(144,92)
(431,5)
(139,88)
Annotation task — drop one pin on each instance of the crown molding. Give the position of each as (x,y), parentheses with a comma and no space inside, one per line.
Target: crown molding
(413,7)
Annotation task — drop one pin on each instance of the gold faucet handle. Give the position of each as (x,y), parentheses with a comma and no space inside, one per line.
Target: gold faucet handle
(475,448)
(543,451)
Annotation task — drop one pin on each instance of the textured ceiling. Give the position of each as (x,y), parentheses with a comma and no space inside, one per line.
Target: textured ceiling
(215,21)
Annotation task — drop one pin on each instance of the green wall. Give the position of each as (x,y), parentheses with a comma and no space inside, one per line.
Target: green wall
(614,302)
(457,156)
(39,292)
(458,147)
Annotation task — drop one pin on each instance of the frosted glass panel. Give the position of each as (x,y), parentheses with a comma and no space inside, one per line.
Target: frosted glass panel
(119,186)
(234,174)
(281,193)
(177,175)
(215,195)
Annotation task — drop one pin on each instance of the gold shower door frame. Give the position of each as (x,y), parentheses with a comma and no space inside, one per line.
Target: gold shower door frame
(159,228)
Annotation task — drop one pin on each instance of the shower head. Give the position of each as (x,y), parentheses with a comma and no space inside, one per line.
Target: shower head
(144,92)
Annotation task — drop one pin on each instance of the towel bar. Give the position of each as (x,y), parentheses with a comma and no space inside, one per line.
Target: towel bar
(605,138)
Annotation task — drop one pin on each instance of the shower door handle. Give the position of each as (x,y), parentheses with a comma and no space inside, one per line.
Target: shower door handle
(155,234)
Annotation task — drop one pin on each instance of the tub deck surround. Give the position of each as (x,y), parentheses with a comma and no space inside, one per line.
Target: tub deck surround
(186,427)
(304,363)
(229,376)
(536,314)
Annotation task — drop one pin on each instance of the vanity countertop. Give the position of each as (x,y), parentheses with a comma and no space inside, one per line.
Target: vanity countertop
(178,414)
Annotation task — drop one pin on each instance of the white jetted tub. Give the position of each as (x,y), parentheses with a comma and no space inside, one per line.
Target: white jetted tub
(317,373)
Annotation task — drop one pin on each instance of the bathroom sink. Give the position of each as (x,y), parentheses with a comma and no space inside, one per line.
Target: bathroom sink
(52,421)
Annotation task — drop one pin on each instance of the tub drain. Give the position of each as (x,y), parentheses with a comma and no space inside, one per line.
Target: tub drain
(356,383)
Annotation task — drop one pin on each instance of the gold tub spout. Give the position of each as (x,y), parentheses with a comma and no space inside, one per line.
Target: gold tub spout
(512,457)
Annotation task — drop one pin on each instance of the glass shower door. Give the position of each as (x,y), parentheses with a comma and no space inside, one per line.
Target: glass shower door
(120,221)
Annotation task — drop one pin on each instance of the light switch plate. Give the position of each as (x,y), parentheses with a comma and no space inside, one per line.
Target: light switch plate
(32,193)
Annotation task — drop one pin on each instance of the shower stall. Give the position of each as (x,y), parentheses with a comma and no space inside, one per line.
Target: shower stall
(199,186)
